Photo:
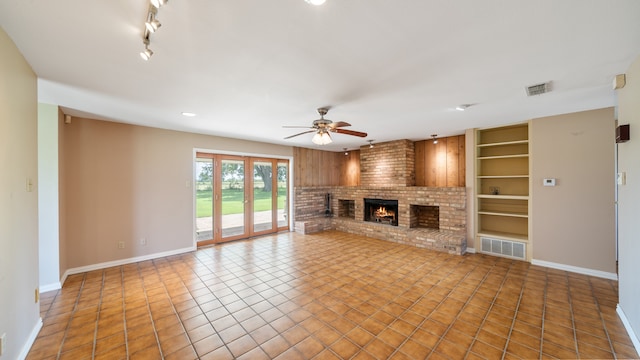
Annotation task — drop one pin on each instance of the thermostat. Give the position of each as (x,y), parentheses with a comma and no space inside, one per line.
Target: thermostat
(549,182)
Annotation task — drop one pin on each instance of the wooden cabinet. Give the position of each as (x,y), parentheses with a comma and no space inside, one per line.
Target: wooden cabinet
(502,190)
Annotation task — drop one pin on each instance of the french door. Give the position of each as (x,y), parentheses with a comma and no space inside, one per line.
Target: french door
(238,197)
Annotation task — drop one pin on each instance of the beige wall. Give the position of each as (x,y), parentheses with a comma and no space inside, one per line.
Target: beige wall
(629,202)
(19,313)
(573,223)
(124,182)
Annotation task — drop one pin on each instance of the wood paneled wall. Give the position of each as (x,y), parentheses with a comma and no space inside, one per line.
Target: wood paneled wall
(441,164)
(325,168)
(350,169)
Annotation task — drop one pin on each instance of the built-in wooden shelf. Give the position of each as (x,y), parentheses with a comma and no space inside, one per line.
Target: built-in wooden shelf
(504,213)
(503,157)
(503,184)
(503,197)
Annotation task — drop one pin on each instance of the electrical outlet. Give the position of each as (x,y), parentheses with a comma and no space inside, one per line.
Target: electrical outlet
(3,342)
(143,241)
(120,244)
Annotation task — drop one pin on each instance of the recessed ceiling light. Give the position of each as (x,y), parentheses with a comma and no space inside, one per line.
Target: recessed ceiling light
(315,2)
(189,114)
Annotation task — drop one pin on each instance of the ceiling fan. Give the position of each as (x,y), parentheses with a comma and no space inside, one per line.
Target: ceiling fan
(323,127)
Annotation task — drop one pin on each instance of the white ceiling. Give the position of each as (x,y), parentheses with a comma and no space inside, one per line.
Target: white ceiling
(394,69)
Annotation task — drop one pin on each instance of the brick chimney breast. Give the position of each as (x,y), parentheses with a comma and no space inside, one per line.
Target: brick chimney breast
(388,164)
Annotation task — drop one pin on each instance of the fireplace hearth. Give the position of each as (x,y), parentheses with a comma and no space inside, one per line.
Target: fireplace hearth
(381,211)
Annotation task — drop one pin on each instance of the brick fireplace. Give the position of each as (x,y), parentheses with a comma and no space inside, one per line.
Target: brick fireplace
(428,217)
(381,211)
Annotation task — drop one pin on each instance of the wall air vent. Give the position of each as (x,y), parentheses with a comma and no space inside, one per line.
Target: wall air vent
(538,89)
(506,248)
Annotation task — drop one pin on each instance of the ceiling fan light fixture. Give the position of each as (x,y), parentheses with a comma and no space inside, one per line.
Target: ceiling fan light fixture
(321,138)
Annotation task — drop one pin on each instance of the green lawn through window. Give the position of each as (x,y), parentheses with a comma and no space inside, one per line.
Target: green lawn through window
(233,200)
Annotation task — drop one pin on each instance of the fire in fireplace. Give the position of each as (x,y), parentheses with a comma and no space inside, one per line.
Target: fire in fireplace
(381,211)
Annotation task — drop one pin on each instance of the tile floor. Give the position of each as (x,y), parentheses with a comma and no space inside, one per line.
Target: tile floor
(330,296)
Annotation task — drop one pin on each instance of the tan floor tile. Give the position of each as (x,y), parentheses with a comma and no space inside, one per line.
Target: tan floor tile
(208,344)
(342,296)
(80,352)
(118,352)
(344,348)
(150,353)
(242,345)
(275,346)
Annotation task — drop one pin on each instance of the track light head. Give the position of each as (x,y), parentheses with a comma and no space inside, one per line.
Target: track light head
(158,3)
(152,24)
(435,138)
(146,54)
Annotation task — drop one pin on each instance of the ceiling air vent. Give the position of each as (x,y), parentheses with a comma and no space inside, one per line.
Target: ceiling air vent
(538,89)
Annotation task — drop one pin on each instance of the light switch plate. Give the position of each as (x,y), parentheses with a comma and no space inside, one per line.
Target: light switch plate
(549,182)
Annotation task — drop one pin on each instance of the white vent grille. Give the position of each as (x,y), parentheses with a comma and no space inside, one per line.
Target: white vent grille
(507,248)
(538,89)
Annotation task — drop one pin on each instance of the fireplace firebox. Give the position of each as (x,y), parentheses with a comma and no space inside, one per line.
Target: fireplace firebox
(381,211)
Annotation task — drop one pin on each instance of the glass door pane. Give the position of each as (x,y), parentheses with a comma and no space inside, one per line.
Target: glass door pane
(283,194)
(262,196)
(233,198)
(204,199)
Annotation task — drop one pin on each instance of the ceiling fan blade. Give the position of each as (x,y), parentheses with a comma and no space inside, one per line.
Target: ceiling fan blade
(297,127)
(302,133)
(350,132)
(339,124)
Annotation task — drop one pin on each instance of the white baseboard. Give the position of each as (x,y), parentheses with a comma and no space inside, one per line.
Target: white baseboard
(109,264)
(32,338)
(50,287)
(471,250)
(576,269)
(627,326)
